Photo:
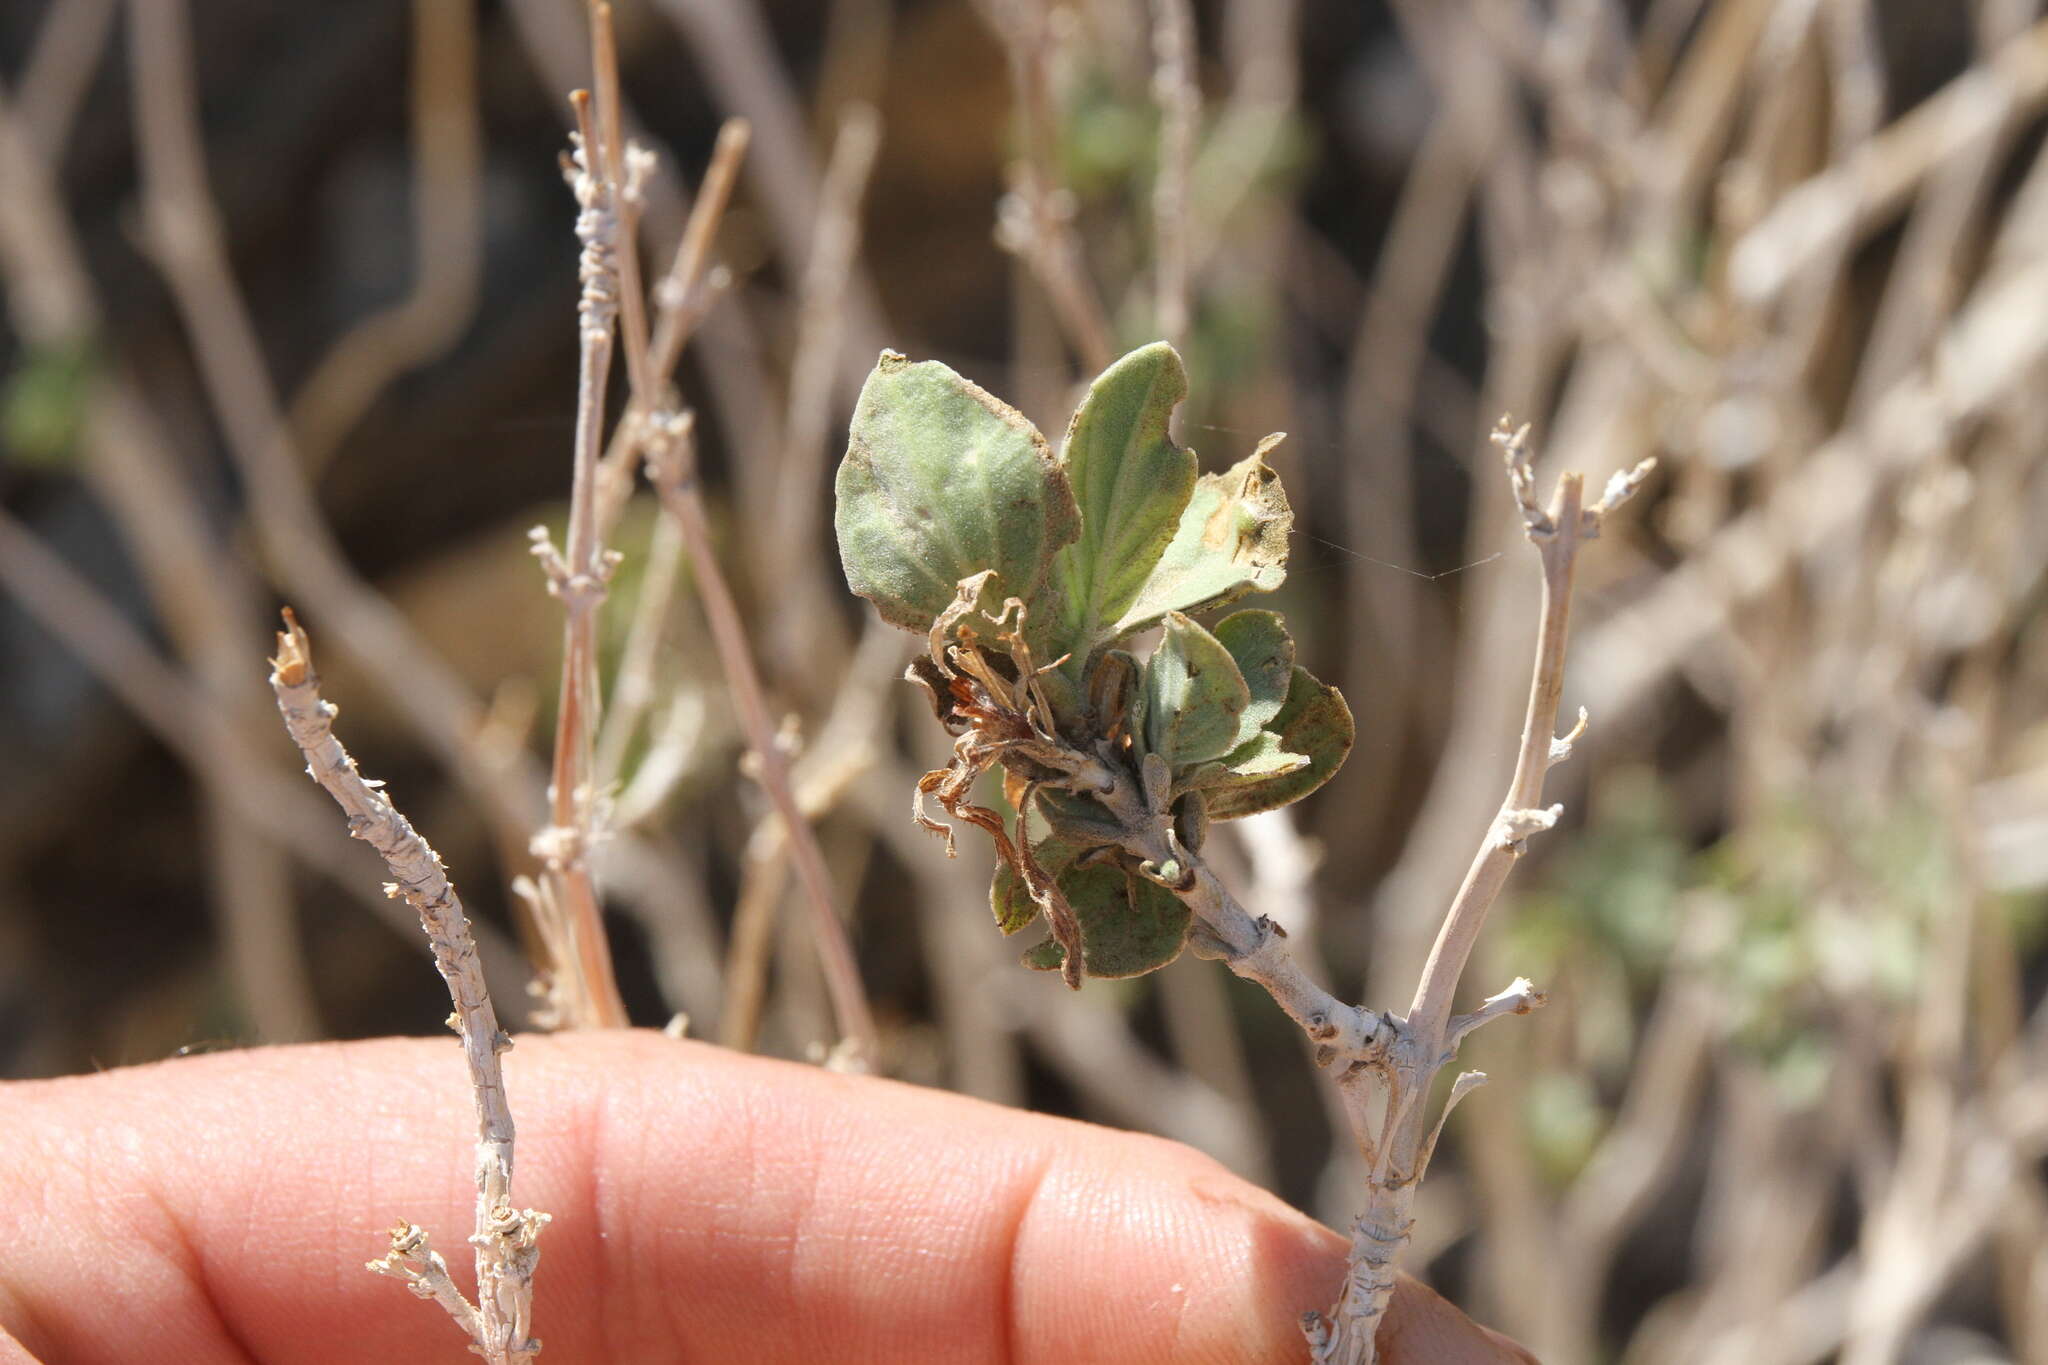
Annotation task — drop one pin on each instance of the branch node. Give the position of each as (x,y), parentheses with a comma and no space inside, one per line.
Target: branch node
(1205,943)
(1319,1331)
(1513,441)
(1514,827)
(640,167)
(542,547)
(669,447)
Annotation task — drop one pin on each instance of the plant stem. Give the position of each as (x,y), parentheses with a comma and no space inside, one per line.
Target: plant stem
(1365,1049)
(674,479)
(664,438)
(1497,855)
(1399,1149)
(501,1323)
(583,988)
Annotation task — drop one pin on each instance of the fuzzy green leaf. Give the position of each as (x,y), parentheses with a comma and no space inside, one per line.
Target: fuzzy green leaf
(1316,723)
(1131,482)
(1194,697)
(1129,926)
(941,480)
(1007,897)
(1231,540)
(1013,906)
(1258,641)
(1261,757)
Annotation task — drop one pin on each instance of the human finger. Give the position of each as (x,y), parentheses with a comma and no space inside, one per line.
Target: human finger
(707,1205)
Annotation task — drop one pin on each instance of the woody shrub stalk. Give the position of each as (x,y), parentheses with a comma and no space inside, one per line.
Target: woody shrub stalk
(500,1323)
(1029,572)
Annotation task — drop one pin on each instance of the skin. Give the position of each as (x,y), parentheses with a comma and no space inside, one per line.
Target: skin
(707,1206)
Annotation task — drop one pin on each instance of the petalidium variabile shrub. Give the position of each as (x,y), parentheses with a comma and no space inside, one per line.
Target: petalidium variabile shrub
(1029,572)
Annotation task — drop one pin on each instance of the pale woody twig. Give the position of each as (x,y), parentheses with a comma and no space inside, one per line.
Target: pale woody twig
(1036,220)
(447,249)
(176,710)
(623,170)
(678,300)
(505,1238)
(671,467)
(60,68)
(681,299)
(1403,1140)
(182,233)
(1179,97)
(1252,948)
(582,989)
(665,438)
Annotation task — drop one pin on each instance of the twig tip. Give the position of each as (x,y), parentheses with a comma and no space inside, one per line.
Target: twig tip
(293,663)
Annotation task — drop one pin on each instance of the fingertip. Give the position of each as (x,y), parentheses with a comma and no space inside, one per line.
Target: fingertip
(1144,1251)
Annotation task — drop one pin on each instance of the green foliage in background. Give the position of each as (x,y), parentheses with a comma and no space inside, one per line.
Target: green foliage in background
(43,403)
(1803,909)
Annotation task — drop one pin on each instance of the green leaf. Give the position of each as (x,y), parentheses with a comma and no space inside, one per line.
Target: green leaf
(1011,903)
(1232,539)
(1195,698)
(1316,723)
(1131,482)
(1007,897)
(1129,926)
(1258,758)
(940,481)
(1258,641)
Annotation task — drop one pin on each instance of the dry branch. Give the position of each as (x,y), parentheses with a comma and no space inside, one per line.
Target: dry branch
(665,437)
(177,711)
(447,197)
(1036,220)
(1398,1148)
(182,232)
(500,1323)
(671,467)
(582,989)
(1179,97)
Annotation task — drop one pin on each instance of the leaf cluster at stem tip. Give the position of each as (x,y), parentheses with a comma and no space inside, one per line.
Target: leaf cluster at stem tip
(1030,572)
